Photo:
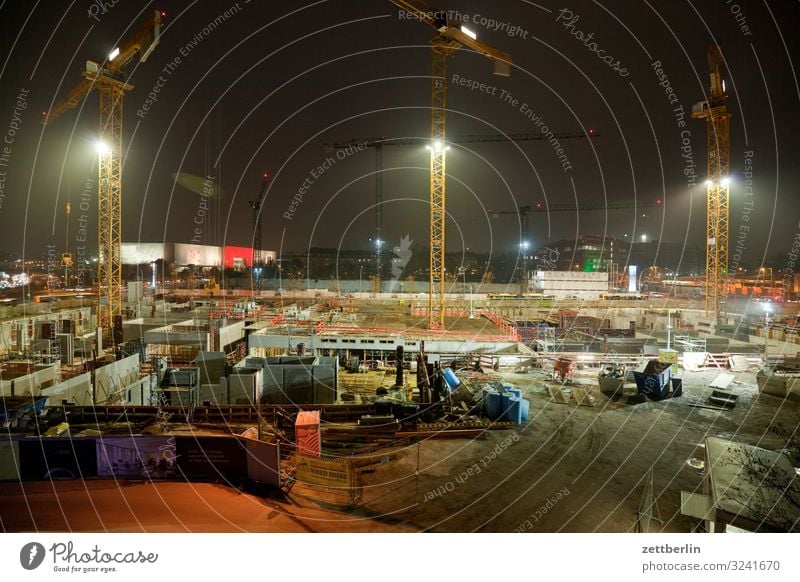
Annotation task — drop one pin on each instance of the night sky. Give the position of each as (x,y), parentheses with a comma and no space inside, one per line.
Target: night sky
(267,86)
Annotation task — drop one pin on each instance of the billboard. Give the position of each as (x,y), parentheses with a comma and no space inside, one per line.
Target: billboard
(57,458)
(216,457)
(140,457)
(136,457)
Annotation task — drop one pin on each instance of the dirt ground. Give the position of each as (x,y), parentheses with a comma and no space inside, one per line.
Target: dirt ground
(570,469)
(574,468)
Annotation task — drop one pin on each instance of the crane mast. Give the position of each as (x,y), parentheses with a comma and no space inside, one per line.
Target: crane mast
(109,80)
(446,41)
(714,111)
(440,49)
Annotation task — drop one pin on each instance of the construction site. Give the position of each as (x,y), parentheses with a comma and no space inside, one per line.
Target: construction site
(189,385)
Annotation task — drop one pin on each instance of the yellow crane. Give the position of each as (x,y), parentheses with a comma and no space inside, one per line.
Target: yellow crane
(714,111)
(109,79)
(447,40)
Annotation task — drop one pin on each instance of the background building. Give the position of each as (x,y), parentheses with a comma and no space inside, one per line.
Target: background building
(182,255)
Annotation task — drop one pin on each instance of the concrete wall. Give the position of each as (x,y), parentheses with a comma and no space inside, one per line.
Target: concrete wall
(120,379)
(212,366)
(300,384)
(138,393)
(16,334)
(42,377)
(243,388)
(214,393)
(112,379)
(77,390)
(136,328)
(231,333)
(184,333)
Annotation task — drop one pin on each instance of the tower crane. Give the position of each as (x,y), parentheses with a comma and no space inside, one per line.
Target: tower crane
(714,111)
(110,81)
(446,41)
(256,205)
(378,143)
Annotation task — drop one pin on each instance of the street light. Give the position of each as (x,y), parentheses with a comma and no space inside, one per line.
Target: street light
(360,272)
(153,275)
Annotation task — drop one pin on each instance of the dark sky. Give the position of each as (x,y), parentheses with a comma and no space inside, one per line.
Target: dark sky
(271,84)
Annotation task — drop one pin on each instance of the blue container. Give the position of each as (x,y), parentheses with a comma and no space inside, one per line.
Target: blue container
(513,412)
(450,379)
(493,404)
(514,392)
(654,381)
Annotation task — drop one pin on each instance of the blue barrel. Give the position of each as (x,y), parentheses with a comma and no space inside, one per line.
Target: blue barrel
(513,411)
(493,404)
(450,379)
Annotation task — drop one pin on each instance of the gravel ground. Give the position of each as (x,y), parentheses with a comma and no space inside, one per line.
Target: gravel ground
(575,468)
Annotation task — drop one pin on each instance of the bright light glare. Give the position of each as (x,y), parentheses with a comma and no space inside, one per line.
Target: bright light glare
(469,33)
(709,183)
(114,54)
(726,181)
(102,148)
